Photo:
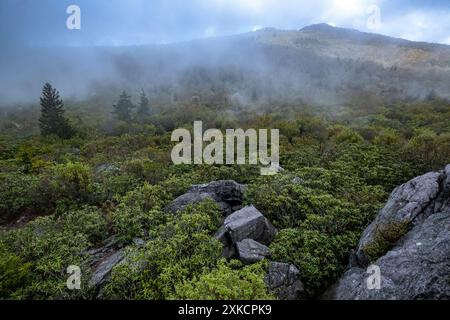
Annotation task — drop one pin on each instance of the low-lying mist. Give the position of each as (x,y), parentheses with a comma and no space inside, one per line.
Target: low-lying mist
(256,68)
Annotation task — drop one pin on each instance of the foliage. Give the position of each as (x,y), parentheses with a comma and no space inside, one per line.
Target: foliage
(17,193)
(51,245)
(178,250)
(122,110)
(228,281)
(339,165)
(13,272)
(52,120)
(385,239)
(320,257)
(73,181)
(143,110)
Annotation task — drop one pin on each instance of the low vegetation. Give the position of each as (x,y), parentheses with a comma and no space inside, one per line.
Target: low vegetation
(63,195)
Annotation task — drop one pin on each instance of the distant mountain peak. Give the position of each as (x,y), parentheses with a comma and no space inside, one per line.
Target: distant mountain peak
(326,28)
(319,27)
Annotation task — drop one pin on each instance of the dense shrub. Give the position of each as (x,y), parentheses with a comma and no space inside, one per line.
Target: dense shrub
(146,197)
(73,181)
(280,199)
(344,135)
(53,243)
(228,281)
(321,258)
(339,166)
(129,223)
(178,250)
(14,272)
(287,200)
(111,185)
(144,170)
(385,239)
(17,193)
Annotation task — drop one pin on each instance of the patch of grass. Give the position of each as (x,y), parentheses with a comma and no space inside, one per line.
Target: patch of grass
(385,238)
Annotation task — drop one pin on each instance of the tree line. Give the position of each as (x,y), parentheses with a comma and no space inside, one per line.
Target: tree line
(52,120)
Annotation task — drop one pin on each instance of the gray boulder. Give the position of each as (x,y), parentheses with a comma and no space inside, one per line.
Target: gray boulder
(227,194)
(247,223)
(418,265)
(103,260)
(249,251)
(102,271)
(284,280)
(411,204)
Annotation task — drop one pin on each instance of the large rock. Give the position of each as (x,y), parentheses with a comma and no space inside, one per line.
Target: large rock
(249,251)
(409,204)
(418,266)
(247,223)
(103,260)
(102,271)
(227,193)
(284,280)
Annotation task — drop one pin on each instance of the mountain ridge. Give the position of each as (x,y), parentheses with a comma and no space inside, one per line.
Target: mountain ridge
(315,61)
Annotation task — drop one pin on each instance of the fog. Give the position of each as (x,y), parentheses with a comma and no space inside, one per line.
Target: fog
(258,68)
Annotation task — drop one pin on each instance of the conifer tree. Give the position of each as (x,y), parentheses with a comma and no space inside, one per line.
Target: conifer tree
(144,109)
(52,120)
(122,110)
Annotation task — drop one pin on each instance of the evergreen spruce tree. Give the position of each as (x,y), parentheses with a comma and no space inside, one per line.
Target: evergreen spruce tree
(143,110)
(52,120)
(122,110)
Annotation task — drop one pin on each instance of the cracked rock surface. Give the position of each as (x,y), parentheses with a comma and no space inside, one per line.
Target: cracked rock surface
(418,266)
(249,251)
(284,280)
(228,194)
(247,223)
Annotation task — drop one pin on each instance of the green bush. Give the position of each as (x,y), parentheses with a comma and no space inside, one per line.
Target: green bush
(178,250)
(139,211)
(228,281)
(73,181)
(280,199)
(146,197)
(344,135)
(341,184)
(385,239)
(320,258)
(111,186)
(144,170)
(14,272)
(89,221)
(288,200)
(17,193)
(52,244)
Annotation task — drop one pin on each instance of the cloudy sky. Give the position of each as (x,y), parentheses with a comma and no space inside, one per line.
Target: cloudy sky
(130,22)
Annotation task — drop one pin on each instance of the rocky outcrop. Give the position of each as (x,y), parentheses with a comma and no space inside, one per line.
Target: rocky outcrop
(417,268)
(228,194)
(102,271)
(284,280)
(247,223)
(411,204)
(249,251)
(418,265)
(103,260)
